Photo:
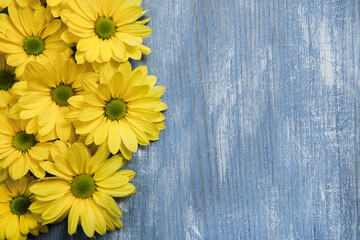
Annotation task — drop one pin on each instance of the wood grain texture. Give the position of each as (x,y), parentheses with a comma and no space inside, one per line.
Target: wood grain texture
(262,138)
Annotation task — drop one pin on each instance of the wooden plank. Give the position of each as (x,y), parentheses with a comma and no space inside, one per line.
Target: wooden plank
(262,138)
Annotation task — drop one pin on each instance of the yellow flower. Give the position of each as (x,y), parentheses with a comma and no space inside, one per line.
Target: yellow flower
(28,35)
(35,4)
(105,29)
(21,149)
(16,219)
(82,189)
(124,110)
(45,92)
(7,80)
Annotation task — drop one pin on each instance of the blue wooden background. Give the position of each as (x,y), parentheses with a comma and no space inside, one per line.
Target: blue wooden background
(262,138)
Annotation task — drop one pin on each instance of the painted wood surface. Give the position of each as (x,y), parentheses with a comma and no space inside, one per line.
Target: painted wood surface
(262,138)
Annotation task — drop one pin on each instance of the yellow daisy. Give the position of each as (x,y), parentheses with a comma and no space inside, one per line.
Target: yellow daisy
(105,29)
(20,150)
(107,70)
(7,80)
(28,35)
(35,4)
(45,91)
(82,189)
(16,219)
(124,110)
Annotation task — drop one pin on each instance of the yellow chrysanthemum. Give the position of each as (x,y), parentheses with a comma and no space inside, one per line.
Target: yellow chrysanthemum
(35,4)
(124,110)
(45,92)
(20,149)
(28,35)
(16,220)
(82,189)
(7,80)
(105,29)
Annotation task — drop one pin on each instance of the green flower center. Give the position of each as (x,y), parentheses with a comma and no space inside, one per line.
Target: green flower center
(23,141)
(34,45)
(6,81)
(115,109)
(61,94)
(83,186)
(105,28)
(19,205)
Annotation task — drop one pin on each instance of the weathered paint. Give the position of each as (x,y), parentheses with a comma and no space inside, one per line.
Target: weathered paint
(262,138)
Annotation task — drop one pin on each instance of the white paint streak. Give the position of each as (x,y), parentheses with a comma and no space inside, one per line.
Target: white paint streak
(196,231)
(222,102)
(327,54)
(222,140)
(192,230)
(304,23)
(269,207)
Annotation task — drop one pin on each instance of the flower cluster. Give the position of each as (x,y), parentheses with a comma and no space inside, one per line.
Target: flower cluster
(72,112)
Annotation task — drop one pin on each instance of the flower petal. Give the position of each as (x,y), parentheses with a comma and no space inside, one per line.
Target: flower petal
(110,167)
